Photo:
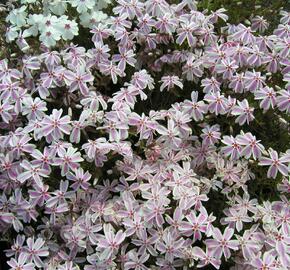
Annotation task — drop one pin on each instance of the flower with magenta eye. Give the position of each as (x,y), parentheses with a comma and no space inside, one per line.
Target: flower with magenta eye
(68,160)
(276,163)
(244,112)
(54,126)
(221,244)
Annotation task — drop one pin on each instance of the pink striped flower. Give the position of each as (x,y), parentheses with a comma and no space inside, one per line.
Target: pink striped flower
(276,164)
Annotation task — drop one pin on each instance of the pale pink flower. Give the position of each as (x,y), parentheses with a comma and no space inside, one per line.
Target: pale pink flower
(111,242)
(171,245)
(80,179)
(195,226)
(169,82)
(194,107)
(185,32)
(205,258)
(244,34)
(266,262)
(77,80)
(276,164)
(233,148)
(21,263)
(217,103)
(54,126)
(68,159)
(222,243)
(244,112)
(250,146)
(267,95)
(36,249)
(32,171)
(136,260)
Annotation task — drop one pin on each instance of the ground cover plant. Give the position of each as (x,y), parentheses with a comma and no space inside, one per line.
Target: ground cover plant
(145,135)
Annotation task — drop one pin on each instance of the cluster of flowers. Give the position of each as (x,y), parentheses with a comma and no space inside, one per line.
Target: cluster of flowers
(51,24)
(91,181)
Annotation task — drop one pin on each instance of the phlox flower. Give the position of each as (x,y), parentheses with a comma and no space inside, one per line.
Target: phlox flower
(169,82)
(136,260)
(55,211)
(266,262)
(34,109)
(125,57)
(154,212)
(211,134)
(39,194)
(146,243)
(17,16)
(36,249)
(50,36)
(222,243)
(267,95)
(244,112)
(144,125)
(205,258)
(259,23)
(78,80)
(112,70)
(134,224)
(282,31)
(21,263)
(130,8)
(194,107)
(232,148)
(78,126)
(283,100)
(171,244)
(244,34)
(227,68)
(283,46)
(217,103)
(20,145)
(68,28)
(185,32)
(193,69)
(256,56)
(5,111)
(146,23)
(236,217)
(32,171)
(195,226)
(80,179)
(166,24)
(276,163)
(93,100)
(210,85)
(54,126)
(59,197)
(17,247)
(68,159)
(110,242)
(142,79)
(169,134)
(11,33)
(220,13)
(82,5)
(254,80)
(92,18)
(176,220)
(251,146)
(101,31)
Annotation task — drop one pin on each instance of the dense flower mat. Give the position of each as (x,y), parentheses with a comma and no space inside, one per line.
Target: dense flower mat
(130,137)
